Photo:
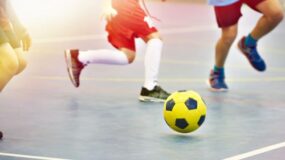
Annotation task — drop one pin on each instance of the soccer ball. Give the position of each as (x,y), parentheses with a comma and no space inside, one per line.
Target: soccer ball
(184,111)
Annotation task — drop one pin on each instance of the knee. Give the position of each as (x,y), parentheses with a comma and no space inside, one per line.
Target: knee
(279,16)
(131,58)
(276,16)
(229,38)
(155,35)
(130,54)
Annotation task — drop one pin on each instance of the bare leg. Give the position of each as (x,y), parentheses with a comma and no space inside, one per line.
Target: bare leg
(131,55)
(223,45)
(272,16)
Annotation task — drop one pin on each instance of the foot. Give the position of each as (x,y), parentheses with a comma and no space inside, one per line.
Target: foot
(157,94)
(217,82)
(252,55)
(1,135)
(74,66)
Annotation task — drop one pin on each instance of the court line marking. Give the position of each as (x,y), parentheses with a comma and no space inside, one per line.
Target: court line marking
(103,36)
(173,61)
(173,80)
(257,152)
(29,156)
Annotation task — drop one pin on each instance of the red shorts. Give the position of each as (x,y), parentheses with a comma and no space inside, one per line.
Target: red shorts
(128,24)
(229,15)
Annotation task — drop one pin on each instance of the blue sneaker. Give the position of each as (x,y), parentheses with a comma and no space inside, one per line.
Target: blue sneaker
(252,55)
(217,82)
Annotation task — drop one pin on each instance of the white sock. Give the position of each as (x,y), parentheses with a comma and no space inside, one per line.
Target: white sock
(103,56)
(152,62)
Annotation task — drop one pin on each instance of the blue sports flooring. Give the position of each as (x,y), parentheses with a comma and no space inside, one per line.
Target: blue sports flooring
(43,115)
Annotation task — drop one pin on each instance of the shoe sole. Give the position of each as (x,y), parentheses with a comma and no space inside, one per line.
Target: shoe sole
(245,54)
(67,57)
(214,89)
(150,99)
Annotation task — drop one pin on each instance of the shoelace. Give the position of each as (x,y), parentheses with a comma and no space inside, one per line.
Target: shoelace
(253,55)
(218,76)
(218,80)
(158,88)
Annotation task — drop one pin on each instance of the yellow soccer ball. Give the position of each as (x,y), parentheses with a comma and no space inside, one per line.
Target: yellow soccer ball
(184,111)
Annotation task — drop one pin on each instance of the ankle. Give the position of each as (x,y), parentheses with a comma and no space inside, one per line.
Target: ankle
(250,41)
(218,69)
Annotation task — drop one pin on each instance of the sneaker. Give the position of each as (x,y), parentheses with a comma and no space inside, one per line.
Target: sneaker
(217,82)
(74,66)
(1,135)
(155,95)
(252,55)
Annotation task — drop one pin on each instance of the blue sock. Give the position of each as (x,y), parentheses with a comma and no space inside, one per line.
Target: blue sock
(250,41)
(218,69)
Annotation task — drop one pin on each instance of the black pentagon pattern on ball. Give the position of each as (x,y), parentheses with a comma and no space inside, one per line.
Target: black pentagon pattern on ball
(170,104)
(191,104)
(181,123)
(201,120)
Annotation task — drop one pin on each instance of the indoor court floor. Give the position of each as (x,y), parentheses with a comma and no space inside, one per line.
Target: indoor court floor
(44,117)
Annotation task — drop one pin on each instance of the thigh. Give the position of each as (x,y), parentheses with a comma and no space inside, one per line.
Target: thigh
(228,15)
(119,40)
(269,7)
(253,4)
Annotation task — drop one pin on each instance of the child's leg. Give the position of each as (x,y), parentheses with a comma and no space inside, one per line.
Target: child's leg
(76,60)
(227,18)
(151,90)
(8,64)
(272,16)
(152,59)
(124,54)
(105,56)
(224,43)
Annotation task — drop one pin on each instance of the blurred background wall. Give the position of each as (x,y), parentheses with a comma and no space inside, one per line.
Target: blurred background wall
(59,18)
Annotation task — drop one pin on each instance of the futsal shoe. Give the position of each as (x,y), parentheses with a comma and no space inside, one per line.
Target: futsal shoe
(252,55)
(217,82)
(157,94)
(74,66)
